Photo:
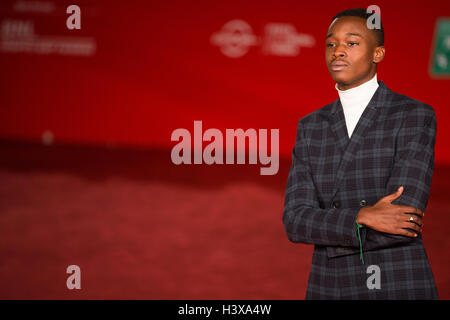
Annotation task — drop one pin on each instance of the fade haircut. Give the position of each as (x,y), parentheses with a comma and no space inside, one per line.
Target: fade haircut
(362,13)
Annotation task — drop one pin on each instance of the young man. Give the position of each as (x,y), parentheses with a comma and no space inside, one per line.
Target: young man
(360,177)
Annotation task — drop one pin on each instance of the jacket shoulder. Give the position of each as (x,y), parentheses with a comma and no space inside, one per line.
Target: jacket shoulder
(316,117)
(409,106)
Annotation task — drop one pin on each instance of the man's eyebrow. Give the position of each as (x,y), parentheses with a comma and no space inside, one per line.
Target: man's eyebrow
(353,34)
(347,34)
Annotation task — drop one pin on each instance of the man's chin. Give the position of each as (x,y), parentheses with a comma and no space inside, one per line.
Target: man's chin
(342,81)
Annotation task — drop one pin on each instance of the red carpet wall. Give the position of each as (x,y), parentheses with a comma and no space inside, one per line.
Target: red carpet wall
(137,70)
(108,96)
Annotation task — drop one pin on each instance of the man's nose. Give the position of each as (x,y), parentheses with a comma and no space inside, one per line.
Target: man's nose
(340,51)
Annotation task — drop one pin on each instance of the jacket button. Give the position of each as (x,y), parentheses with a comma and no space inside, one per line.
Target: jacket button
(362,203)
(336,204)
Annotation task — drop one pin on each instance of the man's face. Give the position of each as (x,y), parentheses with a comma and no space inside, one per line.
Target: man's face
(351,52)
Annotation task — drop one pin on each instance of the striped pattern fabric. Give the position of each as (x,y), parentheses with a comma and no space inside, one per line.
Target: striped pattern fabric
(333,176)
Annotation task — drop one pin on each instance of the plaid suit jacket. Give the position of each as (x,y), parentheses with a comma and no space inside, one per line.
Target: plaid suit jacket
(332,177)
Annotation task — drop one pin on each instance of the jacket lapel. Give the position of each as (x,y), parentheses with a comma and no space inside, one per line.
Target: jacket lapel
(349,147)
(338,126)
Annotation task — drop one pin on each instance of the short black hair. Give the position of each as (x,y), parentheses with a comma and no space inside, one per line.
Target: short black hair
(362,13)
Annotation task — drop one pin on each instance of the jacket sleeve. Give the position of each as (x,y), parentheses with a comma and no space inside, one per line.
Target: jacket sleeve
(303,219)
(413,168)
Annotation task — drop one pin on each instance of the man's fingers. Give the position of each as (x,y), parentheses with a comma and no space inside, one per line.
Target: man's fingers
(391,197)
(411,225)
(408,209)
(415,219)
(407,233)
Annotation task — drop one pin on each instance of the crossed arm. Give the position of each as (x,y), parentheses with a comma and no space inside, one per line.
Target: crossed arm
(385,221)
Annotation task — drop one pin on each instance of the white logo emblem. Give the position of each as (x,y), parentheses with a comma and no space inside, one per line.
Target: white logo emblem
(235,38)
(280,39)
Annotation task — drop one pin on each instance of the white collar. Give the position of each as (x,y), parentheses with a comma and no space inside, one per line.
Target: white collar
(363,92)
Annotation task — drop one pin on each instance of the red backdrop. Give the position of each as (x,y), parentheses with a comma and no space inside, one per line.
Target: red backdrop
(138,225)
(154,68)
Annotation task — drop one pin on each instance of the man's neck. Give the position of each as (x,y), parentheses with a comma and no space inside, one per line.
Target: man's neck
(368,86)
(345,87)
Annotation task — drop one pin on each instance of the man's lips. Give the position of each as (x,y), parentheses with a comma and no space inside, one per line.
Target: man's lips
(338,65)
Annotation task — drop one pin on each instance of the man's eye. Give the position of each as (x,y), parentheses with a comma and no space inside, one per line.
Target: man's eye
(330,45)
(351,44)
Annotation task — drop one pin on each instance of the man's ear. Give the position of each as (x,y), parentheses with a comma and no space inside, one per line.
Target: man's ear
(378,54)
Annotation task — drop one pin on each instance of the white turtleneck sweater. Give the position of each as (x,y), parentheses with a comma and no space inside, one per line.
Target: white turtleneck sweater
(355,100)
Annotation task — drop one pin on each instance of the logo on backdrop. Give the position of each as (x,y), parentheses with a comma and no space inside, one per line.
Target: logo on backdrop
(18,35)
(279,39)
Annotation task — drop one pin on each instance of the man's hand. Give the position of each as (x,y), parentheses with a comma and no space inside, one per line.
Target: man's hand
(390,218)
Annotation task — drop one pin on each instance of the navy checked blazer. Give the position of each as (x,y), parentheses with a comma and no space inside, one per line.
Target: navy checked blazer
(332,177)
